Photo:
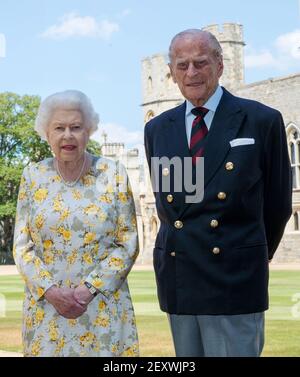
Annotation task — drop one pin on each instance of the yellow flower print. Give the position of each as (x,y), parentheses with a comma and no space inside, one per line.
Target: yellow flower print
(87,339)
(32,302)
(56,178)
(71,259)
(117,263)
(53,333)
(105,199)
(102,216)
(57,203)
(122,197)
(37,263)
(32,185)
(109,189)
(102,320)
(72,322)
(27,258)
(92,209)
(115,348)
(97,283)
(103,167)
(117,295)
(40,195)
(28,322)
(39,315)
(95,249)
(102,305)
(47,244)
(39,221)
(119,179)
(65,214)
(44,274)
(66,235)
(76,194)
(88,180)
(87,258)
(22,195)
(48,258)
(131,351)
(89,237)
(36,347)
(40,291)
(104,255)
(60,345)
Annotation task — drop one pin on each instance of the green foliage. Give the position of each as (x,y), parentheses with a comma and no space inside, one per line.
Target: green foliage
(19,144)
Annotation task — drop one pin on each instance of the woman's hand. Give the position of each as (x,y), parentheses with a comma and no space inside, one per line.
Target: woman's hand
(82,295)
(63,300)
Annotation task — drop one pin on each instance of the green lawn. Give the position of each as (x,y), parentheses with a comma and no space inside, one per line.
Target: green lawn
(282,320)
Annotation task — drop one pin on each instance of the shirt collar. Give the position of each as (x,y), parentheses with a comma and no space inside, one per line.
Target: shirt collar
(211,104)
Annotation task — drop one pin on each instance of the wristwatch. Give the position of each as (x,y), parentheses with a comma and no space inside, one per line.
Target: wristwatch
(91,288)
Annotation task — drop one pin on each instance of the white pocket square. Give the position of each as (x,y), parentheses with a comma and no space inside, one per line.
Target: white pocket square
(242,141)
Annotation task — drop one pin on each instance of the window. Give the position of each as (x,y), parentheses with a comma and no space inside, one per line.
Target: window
(293,136)
(296,221)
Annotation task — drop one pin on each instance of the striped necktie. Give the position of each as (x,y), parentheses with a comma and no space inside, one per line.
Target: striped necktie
(199,131)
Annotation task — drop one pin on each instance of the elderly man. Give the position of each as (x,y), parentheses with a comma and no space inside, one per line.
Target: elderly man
(211,256)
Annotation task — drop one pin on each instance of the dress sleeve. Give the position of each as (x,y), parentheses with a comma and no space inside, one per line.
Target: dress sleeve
(111,272)
(37,278)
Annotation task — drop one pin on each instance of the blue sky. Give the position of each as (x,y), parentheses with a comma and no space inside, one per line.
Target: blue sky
(96,46)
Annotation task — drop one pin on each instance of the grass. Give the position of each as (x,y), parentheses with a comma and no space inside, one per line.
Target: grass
(282,320)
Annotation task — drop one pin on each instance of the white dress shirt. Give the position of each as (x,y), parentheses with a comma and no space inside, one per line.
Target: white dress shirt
(211,104)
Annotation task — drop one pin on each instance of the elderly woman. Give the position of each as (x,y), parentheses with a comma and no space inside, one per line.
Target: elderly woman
(75,241)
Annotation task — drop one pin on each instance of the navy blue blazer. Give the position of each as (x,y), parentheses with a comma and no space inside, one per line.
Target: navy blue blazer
(212,257)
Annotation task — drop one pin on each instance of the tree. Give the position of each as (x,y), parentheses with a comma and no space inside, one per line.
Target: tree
(19,145)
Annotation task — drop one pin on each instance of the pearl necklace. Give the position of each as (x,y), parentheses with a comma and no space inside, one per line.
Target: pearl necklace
(71,183)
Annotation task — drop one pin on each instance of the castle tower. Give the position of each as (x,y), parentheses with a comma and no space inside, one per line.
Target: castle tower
(158,89)
(230,36)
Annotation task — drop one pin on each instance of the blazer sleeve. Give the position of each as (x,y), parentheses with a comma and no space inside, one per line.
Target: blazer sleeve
(278,184)
(36,275)
(111,272)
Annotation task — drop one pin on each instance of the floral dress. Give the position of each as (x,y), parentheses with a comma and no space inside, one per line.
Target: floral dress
(65,236)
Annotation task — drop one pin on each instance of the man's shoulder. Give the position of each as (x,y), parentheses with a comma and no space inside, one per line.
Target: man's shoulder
(255,107)
(165,116)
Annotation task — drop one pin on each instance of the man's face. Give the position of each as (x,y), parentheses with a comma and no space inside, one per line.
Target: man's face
(195,68)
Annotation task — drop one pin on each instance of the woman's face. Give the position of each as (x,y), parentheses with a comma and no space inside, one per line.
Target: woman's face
(67,135)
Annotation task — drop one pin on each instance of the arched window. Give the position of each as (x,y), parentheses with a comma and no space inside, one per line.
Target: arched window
(168,80)
(296,221)
(153,228)
(293,136)
(149,115)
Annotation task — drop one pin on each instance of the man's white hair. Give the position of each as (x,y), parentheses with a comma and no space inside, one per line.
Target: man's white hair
(67,100)
(212,40)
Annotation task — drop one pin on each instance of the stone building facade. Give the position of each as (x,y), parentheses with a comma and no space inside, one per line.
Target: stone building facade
(161,94)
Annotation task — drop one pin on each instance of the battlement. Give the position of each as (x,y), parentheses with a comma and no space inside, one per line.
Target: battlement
(227,32)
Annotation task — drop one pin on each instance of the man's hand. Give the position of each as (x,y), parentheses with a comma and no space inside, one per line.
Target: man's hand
(82,295)
(64,302)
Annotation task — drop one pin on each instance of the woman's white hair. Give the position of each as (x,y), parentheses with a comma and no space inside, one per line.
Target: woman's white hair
(67,100)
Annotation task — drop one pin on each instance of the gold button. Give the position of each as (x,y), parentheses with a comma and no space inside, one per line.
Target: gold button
(222,195)
(229,166)
(170,198)
(216,250)
(165,172)
(178,224)
(173,254)
(214,223)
